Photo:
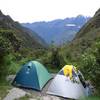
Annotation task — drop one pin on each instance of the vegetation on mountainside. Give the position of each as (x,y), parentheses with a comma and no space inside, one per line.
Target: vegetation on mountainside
(12,54)
(88,34)
(8,43)
(28,38)
(90,65)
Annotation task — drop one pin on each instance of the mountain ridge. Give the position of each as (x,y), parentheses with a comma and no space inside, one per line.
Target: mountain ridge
(60,30)
(28,38)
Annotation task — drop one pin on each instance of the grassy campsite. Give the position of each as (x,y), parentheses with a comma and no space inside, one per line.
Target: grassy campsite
(34,68)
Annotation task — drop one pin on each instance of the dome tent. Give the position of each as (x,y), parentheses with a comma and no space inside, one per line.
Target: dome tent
(32,75)
(67,84)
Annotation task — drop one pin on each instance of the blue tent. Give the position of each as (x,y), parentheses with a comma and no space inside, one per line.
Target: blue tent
(32,75)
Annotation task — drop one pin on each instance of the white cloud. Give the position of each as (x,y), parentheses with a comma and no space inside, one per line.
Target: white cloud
(72,25)
(38,10)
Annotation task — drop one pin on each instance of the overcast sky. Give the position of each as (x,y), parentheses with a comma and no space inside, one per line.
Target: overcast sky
(46,10)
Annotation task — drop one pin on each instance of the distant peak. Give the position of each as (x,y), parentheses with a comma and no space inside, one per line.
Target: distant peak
(79,16)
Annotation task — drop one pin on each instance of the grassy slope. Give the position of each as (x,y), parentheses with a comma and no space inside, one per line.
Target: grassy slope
(88,34)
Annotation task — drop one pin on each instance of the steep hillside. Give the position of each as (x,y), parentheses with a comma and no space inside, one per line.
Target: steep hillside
(87,35)
(59,31)
(27,38)
(92,25)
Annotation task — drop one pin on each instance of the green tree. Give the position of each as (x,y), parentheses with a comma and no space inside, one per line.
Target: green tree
(55,59)
(90,65)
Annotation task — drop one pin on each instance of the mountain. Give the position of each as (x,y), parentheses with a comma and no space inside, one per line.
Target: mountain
(90,32)
(58,31)
(27,38)
(91,27)
(85,38)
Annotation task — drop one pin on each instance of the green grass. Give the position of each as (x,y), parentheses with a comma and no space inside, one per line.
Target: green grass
(24,98)
(91,98)
(52,70)
(27,97)
(4,87)
(3,91)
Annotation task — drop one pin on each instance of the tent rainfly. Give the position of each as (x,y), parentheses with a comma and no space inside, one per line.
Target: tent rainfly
(67,84)
(32,75)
